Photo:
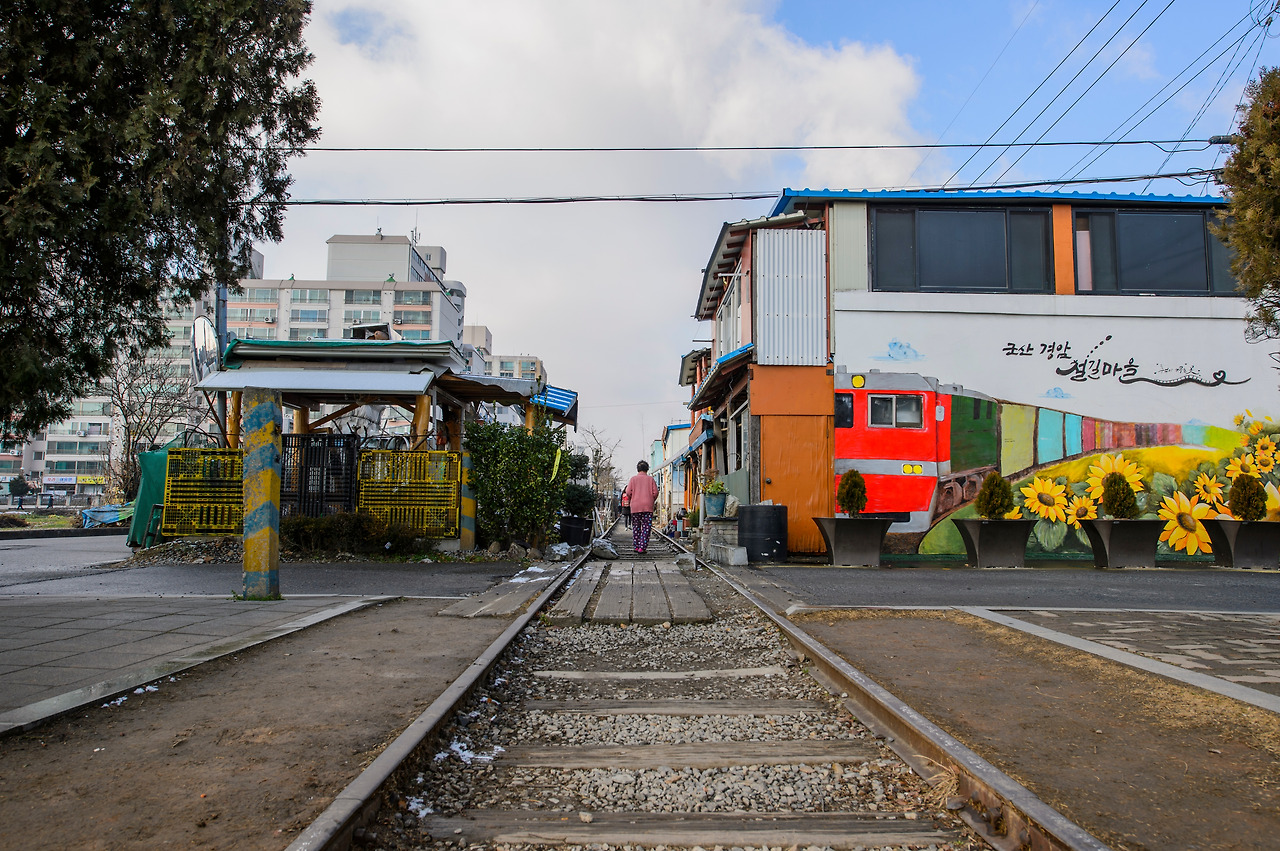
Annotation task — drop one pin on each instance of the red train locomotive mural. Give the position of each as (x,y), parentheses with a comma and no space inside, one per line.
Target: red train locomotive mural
(924,447)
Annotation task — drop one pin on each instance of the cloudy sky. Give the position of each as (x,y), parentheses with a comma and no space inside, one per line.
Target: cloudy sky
(604,292)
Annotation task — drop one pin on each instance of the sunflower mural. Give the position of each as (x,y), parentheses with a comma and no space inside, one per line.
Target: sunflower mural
(1183,529)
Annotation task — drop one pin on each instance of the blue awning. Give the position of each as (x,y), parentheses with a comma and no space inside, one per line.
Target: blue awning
(559,401)
(721,371)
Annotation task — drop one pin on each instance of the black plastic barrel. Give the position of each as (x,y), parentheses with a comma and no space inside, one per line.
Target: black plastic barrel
(762,530)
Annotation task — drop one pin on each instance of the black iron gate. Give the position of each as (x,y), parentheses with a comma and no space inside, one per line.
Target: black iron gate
(318,474)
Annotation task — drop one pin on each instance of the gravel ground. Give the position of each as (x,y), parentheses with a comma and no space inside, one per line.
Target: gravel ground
(229,550)
(465,772)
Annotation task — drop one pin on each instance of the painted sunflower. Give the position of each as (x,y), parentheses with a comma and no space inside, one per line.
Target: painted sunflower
(1273,501)
(1238,419)
(1183,529)
(1016,514)
(1265,461)
(1265,444)
(1243,465)
(1108,464)
(1209,489)
(1255,427)
(1081,508)
(1046,499)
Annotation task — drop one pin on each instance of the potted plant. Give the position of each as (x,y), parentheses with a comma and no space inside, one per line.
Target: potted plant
(1241,537)
(998,536)
(853,539)
(714,494)
(579,501)
(1122,539)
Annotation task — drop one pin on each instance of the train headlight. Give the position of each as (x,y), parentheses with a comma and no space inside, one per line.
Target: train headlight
(858,382)
(912,469)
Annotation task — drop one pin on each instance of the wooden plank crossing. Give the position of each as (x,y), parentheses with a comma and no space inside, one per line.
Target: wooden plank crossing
(573,603)
(693,755)
(834,830)
(614,605)
(648,600)
(686,605)
(501,600)
(675,707)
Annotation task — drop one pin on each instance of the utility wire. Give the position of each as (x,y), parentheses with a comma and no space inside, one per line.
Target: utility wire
(1041,85)
(710,148)
(990,68)
(1081,164)
(1075,77)
(674,198)
(1090,87)
(1227,73)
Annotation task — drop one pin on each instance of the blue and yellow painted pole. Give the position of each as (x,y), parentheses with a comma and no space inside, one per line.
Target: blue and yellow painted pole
(263,423)
(467,514)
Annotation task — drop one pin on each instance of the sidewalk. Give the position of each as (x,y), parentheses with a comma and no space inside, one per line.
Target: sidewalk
(60,654)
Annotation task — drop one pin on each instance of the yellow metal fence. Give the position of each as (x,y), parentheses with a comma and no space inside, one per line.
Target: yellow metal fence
(203,491)
(421,490)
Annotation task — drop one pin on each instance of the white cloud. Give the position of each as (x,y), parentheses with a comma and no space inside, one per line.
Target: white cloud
(602,292)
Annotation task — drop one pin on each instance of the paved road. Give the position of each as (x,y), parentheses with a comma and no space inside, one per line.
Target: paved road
(65,567)
(1071,588)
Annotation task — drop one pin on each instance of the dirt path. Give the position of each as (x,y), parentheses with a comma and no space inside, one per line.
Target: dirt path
(1139,761)
(242,752)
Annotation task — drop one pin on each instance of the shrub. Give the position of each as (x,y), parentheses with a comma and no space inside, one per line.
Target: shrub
(995,497)
(1118,499)
(19,486)
(518,477)
(579,500)
(851,496)
(714,486)
(693,517)
(1247,498)
(351,533)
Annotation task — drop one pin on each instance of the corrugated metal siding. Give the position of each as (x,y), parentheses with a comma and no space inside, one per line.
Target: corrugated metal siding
(848,225)
(791,297)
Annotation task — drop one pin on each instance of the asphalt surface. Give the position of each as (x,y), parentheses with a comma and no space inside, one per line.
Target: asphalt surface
(1179,589)
(37,559)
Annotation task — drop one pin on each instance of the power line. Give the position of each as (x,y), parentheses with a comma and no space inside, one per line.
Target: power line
(1038,87)
(1080,165)
(1094,83)
(677,198)
(586,149)
(990,68)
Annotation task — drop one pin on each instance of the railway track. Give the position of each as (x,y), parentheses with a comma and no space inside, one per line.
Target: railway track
(629,731)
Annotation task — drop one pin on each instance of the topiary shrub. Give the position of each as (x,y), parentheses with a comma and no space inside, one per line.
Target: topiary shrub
(851,496)
(1247,498)
(995,497)
(1118,499)
(579,500)
(19,487)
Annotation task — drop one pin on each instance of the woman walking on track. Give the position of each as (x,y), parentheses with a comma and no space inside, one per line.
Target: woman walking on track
(641,493)
(626,509)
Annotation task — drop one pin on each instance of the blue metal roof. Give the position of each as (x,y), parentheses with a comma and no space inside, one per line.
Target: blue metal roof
(789,195)
(556,399)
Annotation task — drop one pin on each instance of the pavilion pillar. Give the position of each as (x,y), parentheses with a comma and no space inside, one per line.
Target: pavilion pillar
(301,421)
(233,421)
(263,421)
(421,419)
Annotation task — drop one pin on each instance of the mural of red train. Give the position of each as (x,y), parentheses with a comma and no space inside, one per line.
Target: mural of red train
(924,447)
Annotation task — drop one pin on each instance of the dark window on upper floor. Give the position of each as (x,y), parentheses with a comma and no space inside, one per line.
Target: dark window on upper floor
(962,250)
(1150,252)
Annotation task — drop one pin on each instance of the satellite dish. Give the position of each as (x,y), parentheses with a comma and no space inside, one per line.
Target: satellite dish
(205,357)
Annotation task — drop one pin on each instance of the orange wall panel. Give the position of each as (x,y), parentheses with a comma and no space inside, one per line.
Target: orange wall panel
(792,390)
(1064,250)
(795,459)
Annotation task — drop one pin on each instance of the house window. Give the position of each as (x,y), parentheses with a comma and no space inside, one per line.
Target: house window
(258,294)
(415,334)
(1150,252)
(310,296)
(959,250)
(895,411)
(413,317)
(364,296)
(307,333)
(844,410)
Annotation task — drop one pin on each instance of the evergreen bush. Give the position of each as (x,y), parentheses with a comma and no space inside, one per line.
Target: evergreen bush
(360,532)
(851,496)
(995,497)
(579,500)
(1118,499)
(1247,498)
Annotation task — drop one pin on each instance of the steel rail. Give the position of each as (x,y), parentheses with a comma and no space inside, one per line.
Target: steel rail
(1002,811)
(357,805)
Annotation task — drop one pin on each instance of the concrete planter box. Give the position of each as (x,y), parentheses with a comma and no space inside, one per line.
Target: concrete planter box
(1123,543)
(854,540)
(995,543)
(1244,543)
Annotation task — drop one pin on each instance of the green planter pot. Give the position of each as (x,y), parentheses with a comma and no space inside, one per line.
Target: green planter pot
(714,503)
